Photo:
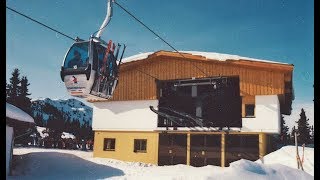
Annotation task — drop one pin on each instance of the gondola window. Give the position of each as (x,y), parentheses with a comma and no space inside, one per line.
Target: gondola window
(77,56)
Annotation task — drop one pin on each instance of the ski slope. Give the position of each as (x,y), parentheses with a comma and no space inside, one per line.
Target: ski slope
(36,163)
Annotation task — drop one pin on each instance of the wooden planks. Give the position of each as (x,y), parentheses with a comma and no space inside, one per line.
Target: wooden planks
(135,85)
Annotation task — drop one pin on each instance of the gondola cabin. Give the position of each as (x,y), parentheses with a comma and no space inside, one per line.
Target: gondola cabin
(90,68)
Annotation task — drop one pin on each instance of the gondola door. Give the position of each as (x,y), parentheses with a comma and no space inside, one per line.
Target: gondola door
(172,149)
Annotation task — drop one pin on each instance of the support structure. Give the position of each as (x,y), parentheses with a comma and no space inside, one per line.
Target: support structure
(188,148)
(262,145)
(223,150)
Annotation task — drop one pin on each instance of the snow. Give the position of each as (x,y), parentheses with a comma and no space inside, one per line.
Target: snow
(224,57)
(207,55)
(287,156)
(15,113)
(136,57)
(75,109)
(36,163)
(67,136)
(64,135)
(40,130)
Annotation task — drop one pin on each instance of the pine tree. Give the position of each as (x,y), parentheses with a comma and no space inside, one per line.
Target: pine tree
(284,131)
(13,87)
(312,135)
(23,101)
(7,90)
(303,128)
(292,135)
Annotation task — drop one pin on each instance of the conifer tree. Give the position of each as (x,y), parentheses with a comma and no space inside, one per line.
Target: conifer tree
(284,131)
(13,87)
(23,101)
(303,128)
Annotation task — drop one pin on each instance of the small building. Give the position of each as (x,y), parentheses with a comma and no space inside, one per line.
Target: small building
(218,108)
(15,118)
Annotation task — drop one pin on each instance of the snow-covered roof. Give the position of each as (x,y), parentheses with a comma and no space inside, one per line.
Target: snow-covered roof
(15,113)
(207,55)
(136,57)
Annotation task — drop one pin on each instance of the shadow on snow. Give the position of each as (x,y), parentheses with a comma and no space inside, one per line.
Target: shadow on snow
(55,165)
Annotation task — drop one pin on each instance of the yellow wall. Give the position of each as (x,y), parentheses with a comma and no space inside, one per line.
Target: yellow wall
(124,146)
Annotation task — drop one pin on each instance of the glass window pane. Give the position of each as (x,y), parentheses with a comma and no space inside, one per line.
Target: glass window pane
(77,56)
(109,144)
(140,145)
(249,110)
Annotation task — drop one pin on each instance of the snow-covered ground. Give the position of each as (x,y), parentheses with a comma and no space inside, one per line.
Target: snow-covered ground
(36,163)
(287,156)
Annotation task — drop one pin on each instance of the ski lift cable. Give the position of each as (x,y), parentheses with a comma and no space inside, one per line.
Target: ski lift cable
(67,36)
(41,23)
(28,17)
(156,35)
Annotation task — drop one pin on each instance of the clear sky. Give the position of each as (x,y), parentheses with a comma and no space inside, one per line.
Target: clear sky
(278,30)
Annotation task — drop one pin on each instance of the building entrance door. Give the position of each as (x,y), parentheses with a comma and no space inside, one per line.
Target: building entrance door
(205,150)
(172,149)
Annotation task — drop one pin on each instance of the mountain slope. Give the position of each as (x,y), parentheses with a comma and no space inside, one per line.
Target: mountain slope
(70,109)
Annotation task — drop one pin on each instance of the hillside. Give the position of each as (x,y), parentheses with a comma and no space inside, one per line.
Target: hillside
(71,109)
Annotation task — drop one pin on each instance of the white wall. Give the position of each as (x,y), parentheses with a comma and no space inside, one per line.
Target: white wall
(124,115)
(267,116)
(9,136)
(136,115)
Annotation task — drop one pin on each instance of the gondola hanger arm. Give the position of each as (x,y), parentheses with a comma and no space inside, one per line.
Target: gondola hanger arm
(107,19)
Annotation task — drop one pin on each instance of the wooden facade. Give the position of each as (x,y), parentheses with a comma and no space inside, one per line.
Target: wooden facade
(256,78)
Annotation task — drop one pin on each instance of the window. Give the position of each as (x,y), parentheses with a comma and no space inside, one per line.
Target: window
(250,110)
(140,145)
(77,56)
(109,144)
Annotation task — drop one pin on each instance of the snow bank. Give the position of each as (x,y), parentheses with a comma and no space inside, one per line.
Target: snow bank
(15,113)
(287,156)
(36,163)
(207,55)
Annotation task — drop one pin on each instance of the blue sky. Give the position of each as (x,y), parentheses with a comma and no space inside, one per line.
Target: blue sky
(279,30)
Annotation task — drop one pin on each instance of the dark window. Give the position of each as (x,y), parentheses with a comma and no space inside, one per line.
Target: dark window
(77,56)
(250,110)
(109,144)
(140,145)
(215,100)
